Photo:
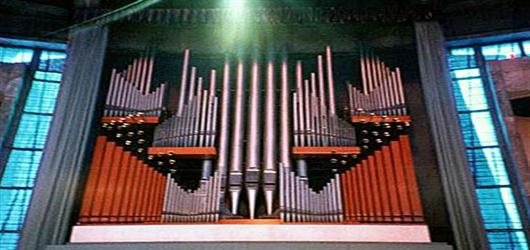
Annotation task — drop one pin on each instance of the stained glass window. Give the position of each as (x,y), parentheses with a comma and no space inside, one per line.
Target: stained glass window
(24,151)
(497,204)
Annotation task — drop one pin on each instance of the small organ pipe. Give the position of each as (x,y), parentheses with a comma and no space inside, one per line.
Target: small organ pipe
(183,82)
(331,82)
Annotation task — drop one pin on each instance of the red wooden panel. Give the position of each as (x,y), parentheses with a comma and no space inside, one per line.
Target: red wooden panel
(324,151)
(110,187)
(185,152)
(351,203)
(120,187)
(362,192)
(135,192)
(383,183)
(401,181)
(356,194)
(144,193)
(376,197)
(152,195)
(160,197)
(378,118)
(101,185)
(368,194)
(392,185)
(93,174)
(410,175)
(345,196)
(146,119)
(126,201)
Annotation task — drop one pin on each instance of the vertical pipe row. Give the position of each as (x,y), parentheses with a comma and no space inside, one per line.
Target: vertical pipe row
(382,187)
(112,193)
(382,88)
(131,90)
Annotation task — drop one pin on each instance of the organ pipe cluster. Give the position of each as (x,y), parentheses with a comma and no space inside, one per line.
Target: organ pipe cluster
(121,187)
(382,89)
(200,205)
(193,125)
(196,125)
(131,90)
(299,203)
(255,130)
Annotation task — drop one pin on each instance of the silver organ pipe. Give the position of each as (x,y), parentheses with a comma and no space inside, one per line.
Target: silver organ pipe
(382,89)
(236,152)
(285,137)
(269,145)
(195,127)
(131,91)
(252,170)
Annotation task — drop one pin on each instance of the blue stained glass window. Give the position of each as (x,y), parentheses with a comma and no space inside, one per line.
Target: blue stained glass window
(507,240)
(465,73)
(52,61)
(8,241)
(21,168)
(487,166)
(486,161)
(25,152)
(470,94)
(462,58)
(498,208)
(15,55)
(41,97)
(501,51)
(13,205)
(32,131)
(48,76)
(477,129)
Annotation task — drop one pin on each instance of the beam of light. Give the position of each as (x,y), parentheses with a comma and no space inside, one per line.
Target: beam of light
(236,28)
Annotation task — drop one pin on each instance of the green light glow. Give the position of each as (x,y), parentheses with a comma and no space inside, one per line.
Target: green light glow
(236,26)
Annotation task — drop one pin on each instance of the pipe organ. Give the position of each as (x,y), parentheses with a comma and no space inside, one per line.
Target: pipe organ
(131,91)
(258,138)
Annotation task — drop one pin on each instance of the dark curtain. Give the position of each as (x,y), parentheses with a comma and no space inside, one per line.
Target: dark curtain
(48,218)
(456,177)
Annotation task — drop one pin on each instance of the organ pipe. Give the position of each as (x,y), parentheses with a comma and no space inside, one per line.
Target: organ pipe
(323,167)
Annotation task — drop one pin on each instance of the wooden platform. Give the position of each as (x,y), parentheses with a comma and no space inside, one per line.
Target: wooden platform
(379,118)
(305,232)
(135,119)
(185,152)
(308,152)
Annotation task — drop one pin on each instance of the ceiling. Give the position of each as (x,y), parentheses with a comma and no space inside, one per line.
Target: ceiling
(32,18)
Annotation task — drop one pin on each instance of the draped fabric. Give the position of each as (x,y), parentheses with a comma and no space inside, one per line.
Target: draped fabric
(48,218)
(455,173)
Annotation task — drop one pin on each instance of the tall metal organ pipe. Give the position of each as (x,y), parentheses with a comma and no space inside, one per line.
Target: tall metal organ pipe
(183,81)
(253,139)
(269,148)
(236,156)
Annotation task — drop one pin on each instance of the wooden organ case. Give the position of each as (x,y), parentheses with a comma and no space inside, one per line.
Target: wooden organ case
(262,140)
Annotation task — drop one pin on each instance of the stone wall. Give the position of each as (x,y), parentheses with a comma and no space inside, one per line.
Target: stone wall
(11,77)
(512,80)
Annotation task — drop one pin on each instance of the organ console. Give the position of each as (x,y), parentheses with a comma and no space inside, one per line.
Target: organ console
(264,143)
